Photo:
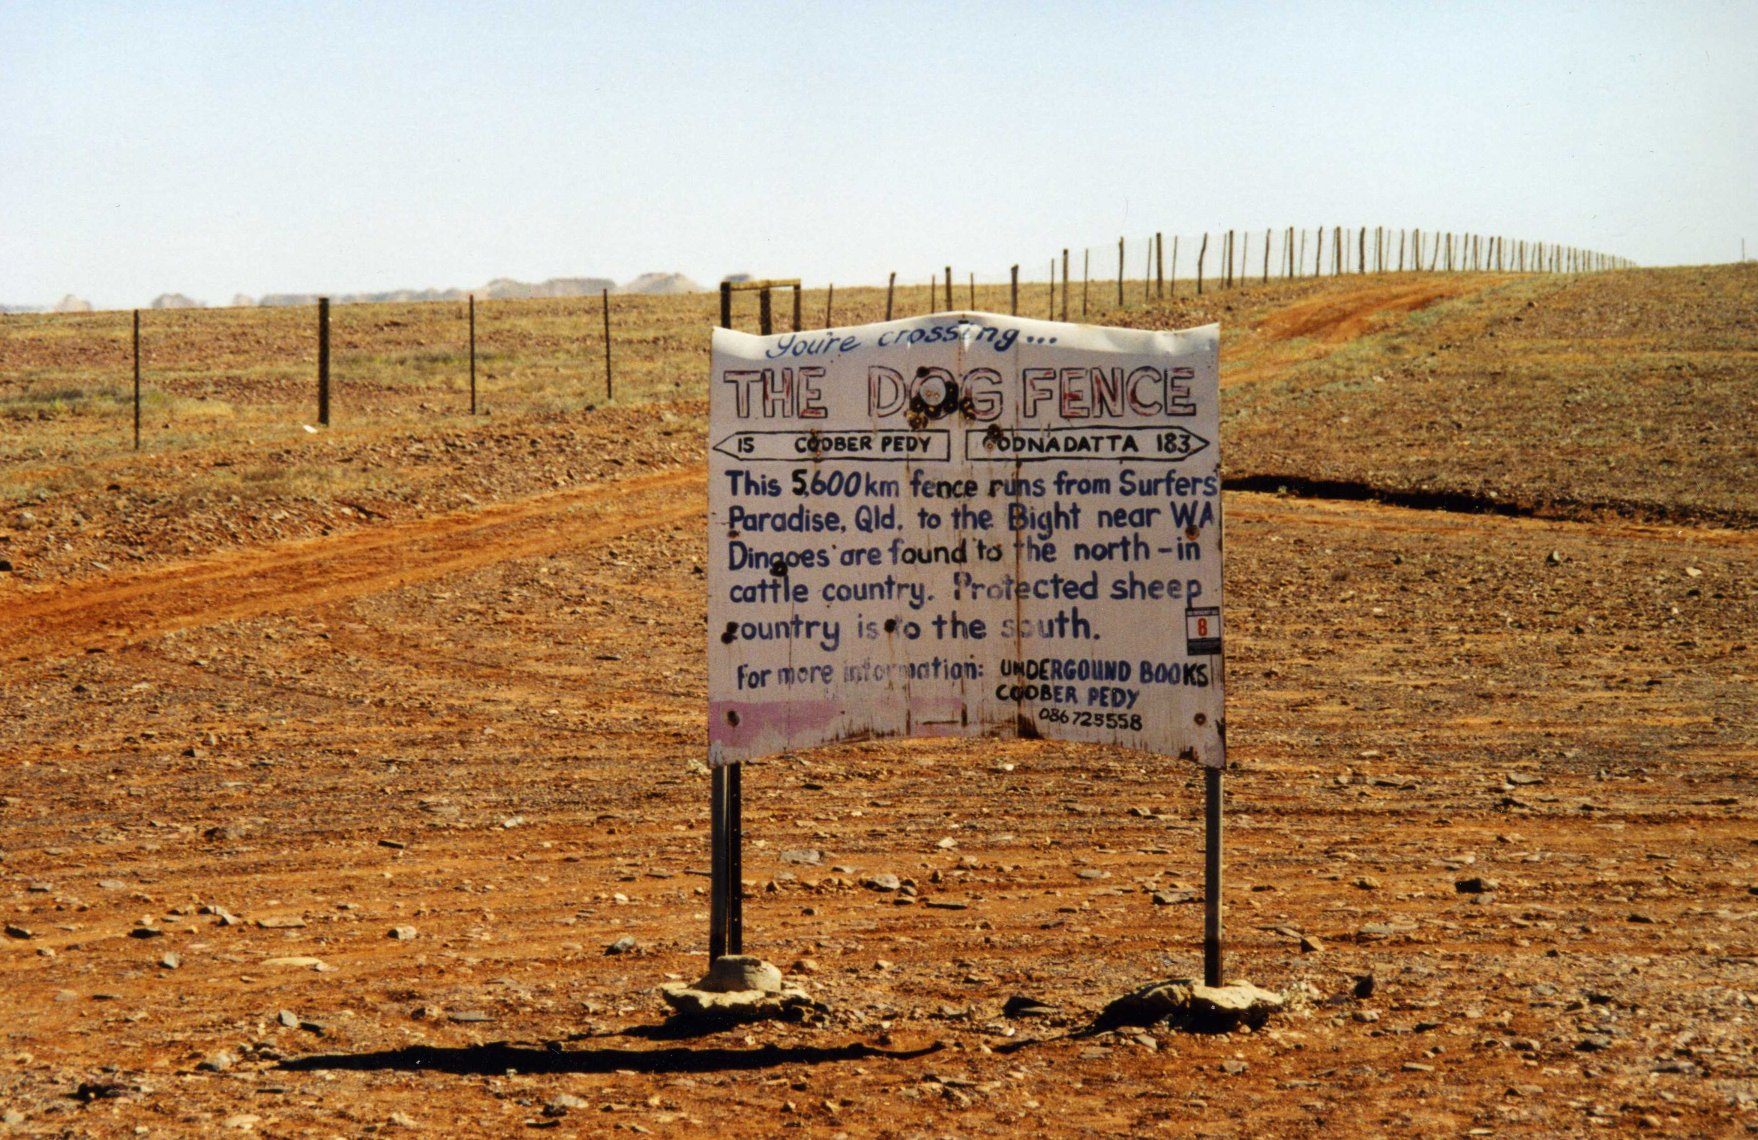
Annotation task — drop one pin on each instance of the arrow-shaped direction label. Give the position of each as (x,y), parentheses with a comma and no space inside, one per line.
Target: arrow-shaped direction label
(1168,443)
(875,445)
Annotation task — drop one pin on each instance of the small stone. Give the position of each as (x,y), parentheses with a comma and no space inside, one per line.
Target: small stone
(217,1063)
(623,945)
(288,1018)
(1476,885)
(242,1122)
(1233,1068)
(11,1115)
(805,855)
(804,966)
(1637,916)
(468,1016)
(1416,1067)
(401,933)
(562,1103)
(1593,1043)
(294,962)
(1363,986)
(1367,1016)
(947,843)
(1367,883)
(1311,945)
(146,932)
(1173,898)
(281,922)
(402,1120)
(1093,873)
(884,881)
(1019,1005)
(171,960)
(14,931)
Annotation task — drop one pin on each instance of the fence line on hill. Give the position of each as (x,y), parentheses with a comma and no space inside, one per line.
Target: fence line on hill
(1286,255)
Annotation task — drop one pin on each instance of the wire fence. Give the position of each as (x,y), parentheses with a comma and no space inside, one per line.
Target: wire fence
(209,377)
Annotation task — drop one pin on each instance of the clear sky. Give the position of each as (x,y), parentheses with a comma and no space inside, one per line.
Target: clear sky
(224,148)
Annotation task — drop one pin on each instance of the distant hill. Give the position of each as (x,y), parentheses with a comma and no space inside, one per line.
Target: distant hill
(662,283)
(505,288)
(500,289)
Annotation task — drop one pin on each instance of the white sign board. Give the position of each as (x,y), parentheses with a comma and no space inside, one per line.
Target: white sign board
(965,524)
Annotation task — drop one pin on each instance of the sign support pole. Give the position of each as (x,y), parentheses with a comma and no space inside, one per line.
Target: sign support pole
(1212,877)
(716,867)
(733,834)
(726,892)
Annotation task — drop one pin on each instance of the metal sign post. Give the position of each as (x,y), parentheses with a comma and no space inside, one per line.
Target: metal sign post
(1212,877)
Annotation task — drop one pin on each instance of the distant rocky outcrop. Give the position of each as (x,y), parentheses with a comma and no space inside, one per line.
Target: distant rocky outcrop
(505,288)
(175,301)
(72,304)
(241,301)
(500,289)
(21,308)
(737,278)
(662,283)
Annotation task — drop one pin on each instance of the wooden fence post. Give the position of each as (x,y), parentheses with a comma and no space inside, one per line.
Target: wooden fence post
(765,312)
(1160,265)
(1065,284)
(1201,254)
(726,304)
(1051,315)
(323,361)
(973,292)
(609,386)
(829,304)
(1119,273)
(1244,256)
(1013,290)
(1361,243)
(137,379)
(1336,251)
(1266,279)
(797,321)
(949,305)
(890,293)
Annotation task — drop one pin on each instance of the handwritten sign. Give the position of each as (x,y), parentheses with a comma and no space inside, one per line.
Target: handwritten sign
(965,524)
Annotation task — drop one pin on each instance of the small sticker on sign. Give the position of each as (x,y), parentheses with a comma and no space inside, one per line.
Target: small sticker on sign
(1202,630)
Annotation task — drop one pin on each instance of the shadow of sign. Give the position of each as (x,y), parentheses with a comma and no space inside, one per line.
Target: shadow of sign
(495,1058)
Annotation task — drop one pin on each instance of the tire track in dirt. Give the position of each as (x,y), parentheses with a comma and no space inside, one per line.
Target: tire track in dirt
(1337,317)
(307,574)
(1325,323)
